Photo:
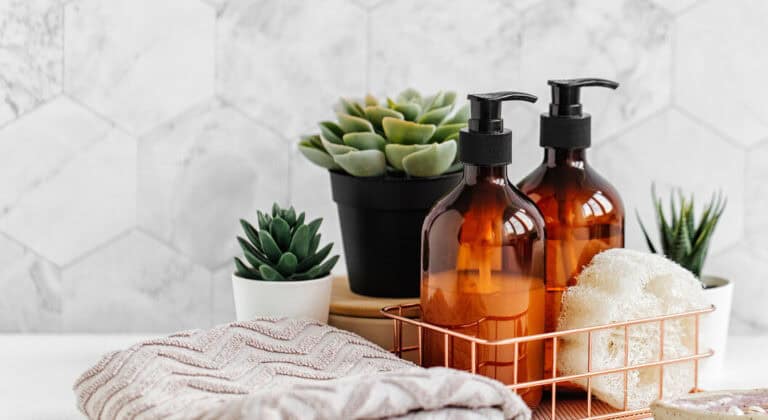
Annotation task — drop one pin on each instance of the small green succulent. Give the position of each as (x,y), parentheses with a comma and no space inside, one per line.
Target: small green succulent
(283,248)
(682,239)
(414,135)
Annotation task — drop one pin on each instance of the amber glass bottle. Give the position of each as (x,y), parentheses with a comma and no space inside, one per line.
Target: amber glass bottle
(583,213)
(483,258)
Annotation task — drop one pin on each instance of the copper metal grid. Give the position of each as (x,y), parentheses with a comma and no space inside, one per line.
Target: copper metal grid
(584,409)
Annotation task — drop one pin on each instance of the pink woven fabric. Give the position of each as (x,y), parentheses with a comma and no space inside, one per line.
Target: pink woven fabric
(273,369)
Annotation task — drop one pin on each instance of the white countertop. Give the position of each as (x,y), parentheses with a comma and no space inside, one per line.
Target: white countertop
(37,371)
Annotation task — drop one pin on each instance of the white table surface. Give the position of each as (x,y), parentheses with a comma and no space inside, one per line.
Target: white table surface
(37,371)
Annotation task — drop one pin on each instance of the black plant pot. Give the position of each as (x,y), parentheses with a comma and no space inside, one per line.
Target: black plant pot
(381,220)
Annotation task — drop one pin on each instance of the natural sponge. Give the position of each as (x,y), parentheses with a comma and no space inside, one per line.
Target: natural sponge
(621,285)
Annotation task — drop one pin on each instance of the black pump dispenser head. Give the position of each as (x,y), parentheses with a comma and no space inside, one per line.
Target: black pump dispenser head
(566,126)
(485,141)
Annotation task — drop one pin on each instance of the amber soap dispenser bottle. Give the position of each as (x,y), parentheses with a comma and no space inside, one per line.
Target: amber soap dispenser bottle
(483,258)
(583,212)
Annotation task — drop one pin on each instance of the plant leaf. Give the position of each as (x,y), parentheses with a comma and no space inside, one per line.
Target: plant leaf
(314,226)
(243,270)
(407,132)
(363,162)
(434,116)
(433,102)
(318,157)
(269,246)
(445,131)
(314,259)
(460,117)
(263,221)
(281,232)
(300,242)
(371,100)
(365,141)
(409,95)
(433,161)
(352,108)
(354,124)
(337,149)
(331,131)
(409,111)
(314,243)
(376,113)
(327,266)
(397,152)
(250,232)
(645,233)
(269,273)
(287,264)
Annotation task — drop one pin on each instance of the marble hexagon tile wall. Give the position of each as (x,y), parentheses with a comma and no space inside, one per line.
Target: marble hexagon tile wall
(134,134)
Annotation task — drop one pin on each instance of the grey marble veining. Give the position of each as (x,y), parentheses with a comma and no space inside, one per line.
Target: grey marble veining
(135,134)
(31,41)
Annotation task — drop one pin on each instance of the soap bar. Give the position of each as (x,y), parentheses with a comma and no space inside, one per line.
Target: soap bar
(622,285)
(715,405)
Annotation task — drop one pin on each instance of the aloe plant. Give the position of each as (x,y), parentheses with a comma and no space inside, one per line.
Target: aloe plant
(283,248)
(682,239)
(413,135)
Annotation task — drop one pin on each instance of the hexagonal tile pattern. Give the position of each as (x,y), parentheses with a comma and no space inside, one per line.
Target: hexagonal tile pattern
(461,51)
(627,41)
(286,63)
(135,67)
(746,267)
(30,54)
(203,171)
(672,151)
(757,200)
(78,180)
(135,284)
(31,298)
(731,64)
(311,193)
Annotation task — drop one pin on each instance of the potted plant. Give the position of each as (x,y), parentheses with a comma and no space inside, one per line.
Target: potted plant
(285,272)
(687,243)
(389,163)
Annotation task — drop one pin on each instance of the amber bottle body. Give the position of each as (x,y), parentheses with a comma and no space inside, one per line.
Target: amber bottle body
(583,214)
(483,275)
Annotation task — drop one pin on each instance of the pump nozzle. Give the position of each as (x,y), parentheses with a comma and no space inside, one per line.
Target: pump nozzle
(485,141)
(485,109)
(566,126)
(565,94)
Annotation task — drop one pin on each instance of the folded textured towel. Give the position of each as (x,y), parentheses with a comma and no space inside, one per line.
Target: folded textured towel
(273,369)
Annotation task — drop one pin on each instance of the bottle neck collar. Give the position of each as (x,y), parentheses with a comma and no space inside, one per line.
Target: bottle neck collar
(554,156)
(494,174)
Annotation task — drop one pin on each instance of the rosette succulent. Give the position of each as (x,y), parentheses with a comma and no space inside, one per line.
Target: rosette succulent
(283,248)
(413,135)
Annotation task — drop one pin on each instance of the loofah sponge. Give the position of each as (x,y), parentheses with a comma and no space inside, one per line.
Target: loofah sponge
(621,285)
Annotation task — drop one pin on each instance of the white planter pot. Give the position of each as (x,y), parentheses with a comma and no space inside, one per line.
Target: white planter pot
(293,299)
(714,330)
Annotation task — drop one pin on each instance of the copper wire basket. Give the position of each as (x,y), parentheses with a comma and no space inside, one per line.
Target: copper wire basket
(568,407)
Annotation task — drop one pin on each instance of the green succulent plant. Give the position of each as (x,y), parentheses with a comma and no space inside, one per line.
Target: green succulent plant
(283,248)
(682,239)
(413,135)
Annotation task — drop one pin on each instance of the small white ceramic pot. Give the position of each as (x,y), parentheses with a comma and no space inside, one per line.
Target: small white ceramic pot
(713,332)
(292,299)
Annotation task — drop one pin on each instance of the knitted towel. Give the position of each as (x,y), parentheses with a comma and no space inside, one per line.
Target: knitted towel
(281,368)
